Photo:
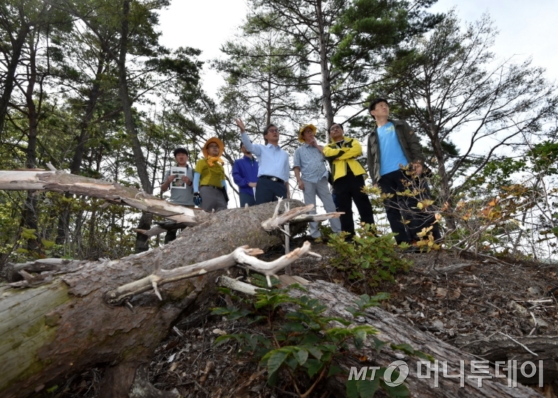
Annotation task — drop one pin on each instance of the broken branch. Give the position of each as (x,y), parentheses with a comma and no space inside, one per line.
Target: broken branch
(242,255)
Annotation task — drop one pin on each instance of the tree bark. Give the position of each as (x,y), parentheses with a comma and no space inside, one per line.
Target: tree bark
(60,181)
(140,160)
(396,331)
(75,166)
(324,66)
(9,80)
(501,347)
(72,320)
(66,325)
(29,216)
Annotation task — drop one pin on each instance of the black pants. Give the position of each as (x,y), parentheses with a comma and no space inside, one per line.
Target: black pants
(348,189)
(401,209)
(171,235)
(268,190)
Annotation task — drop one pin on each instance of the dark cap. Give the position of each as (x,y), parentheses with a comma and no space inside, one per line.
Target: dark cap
(180,150)
(375,102)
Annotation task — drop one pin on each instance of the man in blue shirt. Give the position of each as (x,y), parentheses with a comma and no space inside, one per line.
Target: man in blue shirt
(273,171)
(245,175)
(309,159)
(391,146)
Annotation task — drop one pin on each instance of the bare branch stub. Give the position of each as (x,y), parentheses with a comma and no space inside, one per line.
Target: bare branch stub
(280,219)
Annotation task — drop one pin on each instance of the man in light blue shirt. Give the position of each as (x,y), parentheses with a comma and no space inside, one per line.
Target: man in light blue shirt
(309,160)
(273,172)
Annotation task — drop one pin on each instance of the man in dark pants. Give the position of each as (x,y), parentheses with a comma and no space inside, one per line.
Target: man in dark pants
(348,178)
(392,146)
(273,171)
(180,186)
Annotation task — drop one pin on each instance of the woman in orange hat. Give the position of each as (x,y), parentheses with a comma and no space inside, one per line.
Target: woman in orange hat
(210,188)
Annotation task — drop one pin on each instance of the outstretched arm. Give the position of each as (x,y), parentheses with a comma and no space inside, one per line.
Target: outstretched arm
(254,148)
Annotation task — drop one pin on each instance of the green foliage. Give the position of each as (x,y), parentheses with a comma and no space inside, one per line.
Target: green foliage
(452,70)
(76,47)
(301,340)
(370,258)
(544,157)
(370,27)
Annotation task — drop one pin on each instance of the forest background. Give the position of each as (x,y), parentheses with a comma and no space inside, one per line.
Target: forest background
(89,87)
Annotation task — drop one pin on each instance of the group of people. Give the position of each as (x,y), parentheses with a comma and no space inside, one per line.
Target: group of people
(395,163)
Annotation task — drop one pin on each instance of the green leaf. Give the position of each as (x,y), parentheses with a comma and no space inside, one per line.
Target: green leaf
(272,378)
(301,356)
(220,311)
(52,389)
(276,359)
(378,344)
(47,244)
(292,362)
(316,353)
(406,348)
(223,339)
(310,339)
(424,355)
(400,391)
(367,388)
(28,234)
(351,389)
(334,370)
(313,366)
(353,310)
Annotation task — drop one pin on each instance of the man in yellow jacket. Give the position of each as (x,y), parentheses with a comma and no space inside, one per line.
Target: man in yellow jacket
(348,178)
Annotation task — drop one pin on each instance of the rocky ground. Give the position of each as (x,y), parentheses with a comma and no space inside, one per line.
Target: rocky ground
(460,298)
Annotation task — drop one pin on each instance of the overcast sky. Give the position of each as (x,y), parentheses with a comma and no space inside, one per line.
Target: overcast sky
(527,28)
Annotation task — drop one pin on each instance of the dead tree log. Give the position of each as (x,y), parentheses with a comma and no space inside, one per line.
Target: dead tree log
(501,347)
(394,330)
(60,181)
(69,322)
(66,325)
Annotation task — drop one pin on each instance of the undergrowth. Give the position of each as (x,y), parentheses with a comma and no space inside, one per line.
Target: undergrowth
(299,344)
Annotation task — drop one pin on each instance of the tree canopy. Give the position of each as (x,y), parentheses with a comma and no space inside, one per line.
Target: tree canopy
(87,86)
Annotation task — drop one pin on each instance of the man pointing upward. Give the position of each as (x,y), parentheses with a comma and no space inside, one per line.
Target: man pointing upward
(273,172)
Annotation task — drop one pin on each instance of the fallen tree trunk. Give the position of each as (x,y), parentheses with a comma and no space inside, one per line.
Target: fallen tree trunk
(60,181)
(501,347)
(394,330)
(66,325)
(82,331)
(71,321)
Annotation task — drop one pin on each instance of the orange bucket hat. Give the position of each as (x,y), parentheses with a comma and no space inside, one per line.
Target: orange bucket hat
(216,141)
(311,126)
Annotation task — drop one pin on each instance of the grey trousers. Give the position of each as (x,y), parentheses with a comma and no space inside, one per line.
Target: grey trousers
(212,199)
(321,188)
